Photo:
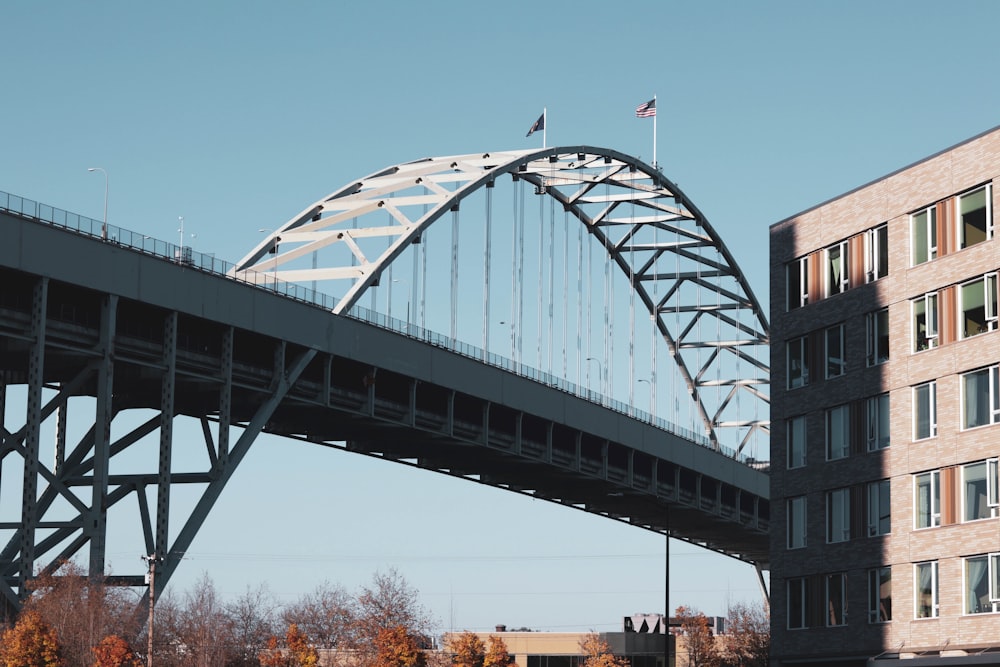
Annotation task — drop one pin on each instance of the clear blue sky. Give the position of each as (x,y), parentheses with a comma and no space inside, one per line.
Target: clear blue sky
(236,115)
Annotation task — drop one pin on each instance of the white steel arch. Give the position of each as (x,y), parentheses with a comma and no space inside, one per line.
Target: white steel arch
(669,243)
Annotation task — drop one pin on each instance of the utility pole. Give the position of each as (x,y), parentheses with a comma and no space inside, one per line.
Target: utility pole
(151,560)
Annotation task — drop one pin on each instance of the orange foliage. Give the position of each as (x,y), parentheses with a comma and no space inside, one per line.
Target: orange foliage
(296,652)
(30,643)
(468,650)
(113,651)
(397,648)
(496,653)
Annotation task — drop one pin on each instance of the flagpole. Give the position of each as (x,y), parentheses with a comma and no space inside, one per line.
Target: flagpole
(654,133)
(545,126)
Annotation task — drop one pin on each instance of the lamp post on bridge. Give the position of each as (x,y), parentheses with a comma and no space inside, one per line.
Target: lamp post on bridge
(600,375)
(104,226)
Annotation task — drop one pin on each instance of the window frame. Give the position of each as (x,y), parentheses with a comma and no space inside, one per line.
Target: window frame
(796,522)
(992,563)
(842,264)
(934,499)
(838,515)
(929,236)
(839,332)
(989,295)
(875,419)
(934,593)
(992,397)
(840,580)
(875,606)
(960,220)
(844,450)
(877,253)
(879,497)
(802,342)
(801,290)
(791,429)
(802,584)
(931,407)
(932,321)
(873,335)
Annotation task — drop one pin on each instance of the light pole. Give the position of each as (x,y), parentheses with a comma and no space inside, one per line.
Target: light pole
(600,373)
(104,227)
(650,409)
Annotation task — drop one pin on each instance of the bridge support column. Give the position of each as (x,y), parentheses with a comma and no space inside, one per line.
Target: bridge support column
(96,528)
(32,428)
(167,387)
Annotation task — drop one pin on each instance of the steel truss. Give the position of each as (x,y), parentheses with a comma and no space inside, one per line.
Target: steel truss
(704,310)
(80,488)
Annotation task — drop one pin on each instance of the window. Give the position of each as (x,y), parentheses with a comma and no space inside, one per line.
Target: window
(978,307)
(836,599)
(926,587)
(838,429)
(879,522)
(975,217)
(877,422)
(838,515)
(798,602)
(877,253)
(796,442)
(923,235)
(796,508)
(927,487)
(836,364)
(982,584)
(981,397)
(798,283)
(979,482)
(877,337)
(837,280)
(925,321)
(798,368)
(925,411)
(880,595)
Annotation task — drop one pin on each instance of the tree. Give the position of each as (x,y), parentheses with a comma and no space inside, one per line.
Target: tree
(297,651)
(113,651)
(598,653)
(701,648)
(82,611)
(328,615)
(201,627)
(467,650)
(252,622)
(395,647)
(30,643)
(389,603)
(747,642)
(496,653)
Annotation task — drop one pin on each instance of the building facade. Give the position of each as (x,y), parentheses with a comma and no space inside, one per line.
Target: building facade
(886,420)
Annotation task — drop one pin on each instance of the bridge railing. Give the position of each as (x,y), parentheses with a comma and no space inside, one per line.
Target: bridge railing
(186,256)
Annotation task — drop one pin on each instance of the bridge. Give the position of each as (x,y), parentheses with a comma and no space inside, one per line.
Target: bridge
(108,337)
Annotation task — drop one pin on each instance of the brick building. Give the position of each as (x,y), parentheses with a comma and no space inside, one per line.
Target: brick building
(886,420)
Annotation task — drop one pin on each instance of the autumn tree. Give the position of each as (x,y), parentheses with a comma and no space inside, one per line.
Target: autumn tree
(114,651)
(30,643)
(296,651)
(202,627)
(747,642)
(598,653)
(467,650)
(396,647)
(81,610)
(496,653)
(701,648)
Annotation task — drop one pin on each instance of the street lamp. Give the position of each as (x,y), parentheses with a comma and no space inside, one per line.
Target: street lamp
(600,373)
(650,409)
(104,227)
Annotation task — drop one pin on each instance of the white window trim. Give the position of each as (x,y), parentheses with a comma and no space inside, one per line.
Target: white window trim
(932,406)
(845,516)
(804,523)
(875,594)
(873,422)
(930,302)
(847,433)
(993,572)
(935,500)
(989,281)
(930,223)
(845,281)
(989,214)
(874,508)
(872,335)
(992,400)
(803,356)
(842,612)
(789,437)
(803,287)
(842,360)
(873,252)
(935,598)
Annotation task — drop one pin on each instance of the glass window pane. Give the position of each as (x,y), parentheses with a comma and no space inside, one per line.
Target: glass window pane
(977,398)
(975,496)
(973,217)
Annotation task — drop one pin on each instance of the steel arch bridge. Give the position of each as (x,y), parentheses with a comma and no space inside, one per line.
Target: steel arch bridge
(72,331)
(686,278)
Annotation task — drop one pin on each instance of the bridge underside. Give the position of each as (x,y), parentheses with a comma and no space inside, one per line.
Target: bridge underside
(136,364)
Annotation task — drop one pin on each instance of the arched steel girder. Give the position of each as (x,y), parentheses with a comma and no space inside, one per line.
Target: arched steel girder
(604,189)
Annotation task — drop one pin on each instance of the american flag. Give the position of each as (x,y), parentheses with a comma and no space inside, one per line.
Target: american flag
(646,109)
(538,125)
